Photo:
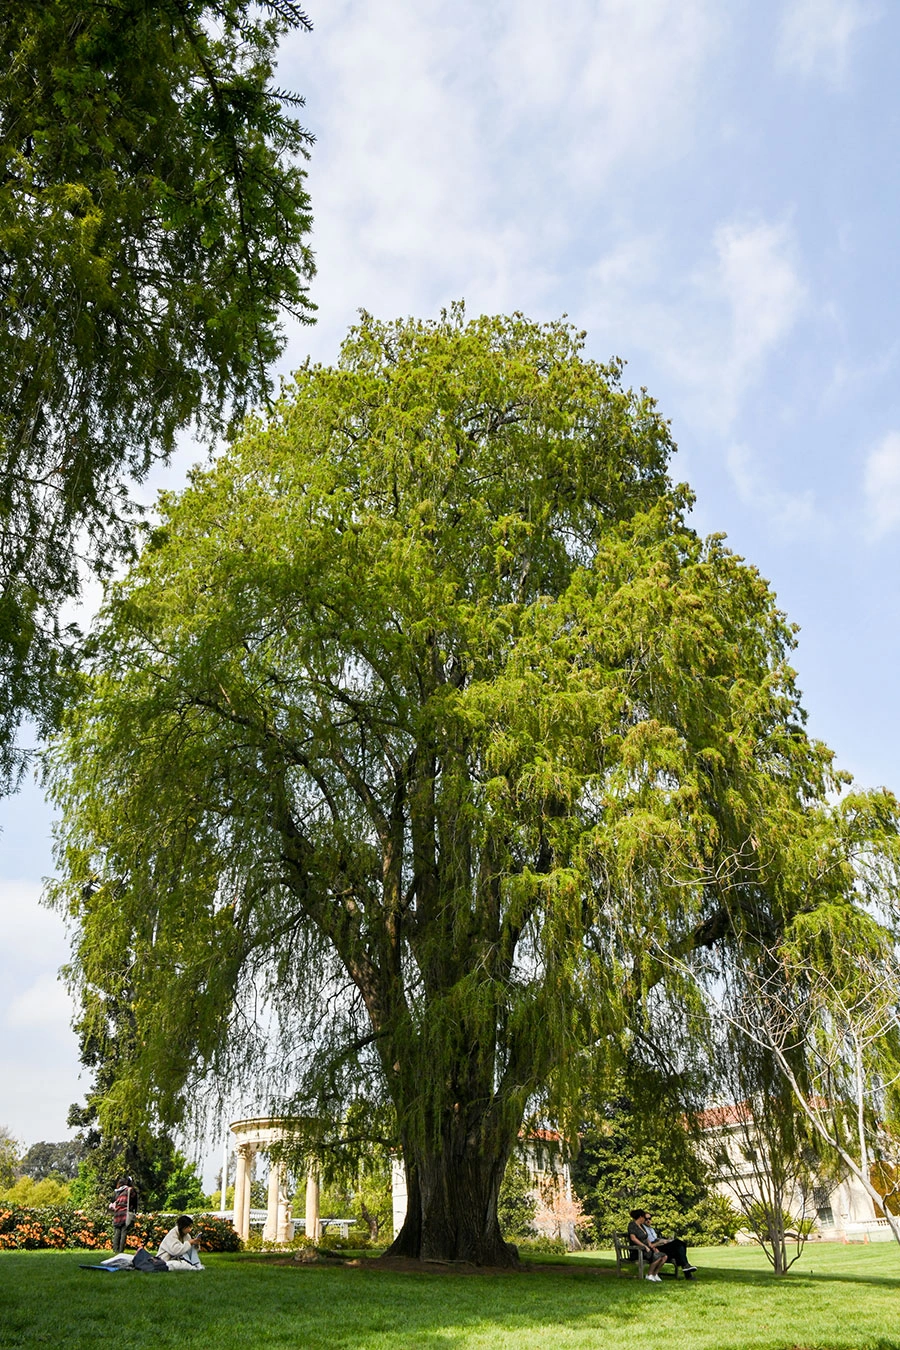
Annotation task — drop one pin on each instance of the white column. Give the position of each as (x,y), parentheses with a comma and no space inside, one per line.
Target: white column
(223,1198)
(270,1232)
(245,1217)
(242,1192)
(312,1203)
(285,1228)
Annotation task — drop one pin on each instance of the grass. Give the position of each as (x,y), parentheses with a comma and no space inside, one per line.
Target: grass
(836,1298)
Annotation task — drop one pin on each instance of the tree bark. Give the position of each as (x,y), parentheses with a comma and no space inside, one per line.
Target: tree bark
(452,1197)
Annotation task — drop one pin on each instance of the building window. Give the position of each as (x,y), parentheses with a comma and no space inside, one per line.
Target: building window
(824,1212)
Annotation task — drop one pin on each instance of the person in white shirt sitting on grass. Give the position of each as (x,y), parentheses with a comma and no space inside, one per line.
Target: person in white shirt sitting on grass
(178,1249)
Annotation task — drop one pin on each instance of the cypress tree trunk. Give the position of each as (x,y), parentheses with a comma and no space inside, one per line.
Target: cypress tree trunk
(452,1189)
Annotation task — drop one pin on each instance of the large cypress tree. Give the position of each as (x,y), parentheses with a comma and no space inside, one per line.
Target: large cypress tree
(425,729)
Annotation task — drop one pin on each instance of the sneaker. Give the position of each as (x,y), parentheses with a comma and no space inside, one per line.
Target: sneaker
(654,1278)
(688,1270)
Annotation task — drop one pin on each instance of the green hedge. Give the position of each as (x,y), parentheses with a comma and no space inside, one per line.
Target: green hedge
(63,1226)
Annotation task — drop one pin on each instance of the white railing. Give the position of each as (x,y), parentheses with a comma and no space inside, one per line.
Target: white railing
(258,1219)
(859,1230)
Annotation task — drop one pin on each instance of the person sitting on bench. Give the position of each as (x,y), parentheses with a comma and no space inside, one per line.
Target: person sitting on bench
(640,1241)
(641,1233)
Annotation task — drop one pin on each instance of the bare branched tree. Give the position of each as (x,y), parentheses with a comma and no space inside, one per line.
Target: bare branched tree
(828,1016)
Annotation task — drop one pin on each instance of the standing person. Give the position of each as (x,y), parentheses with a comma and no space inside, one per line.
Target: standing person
(178,1249)
(124,1209)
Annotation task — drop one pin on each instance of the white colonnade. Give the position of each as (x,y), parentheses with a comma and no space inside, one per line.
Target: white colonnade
(263,1133)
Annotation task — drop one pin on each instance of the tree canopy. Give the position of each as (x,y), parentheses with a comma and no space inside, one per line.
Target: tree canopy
(153,225)
(428,736)
(9,1158)
(46,1159)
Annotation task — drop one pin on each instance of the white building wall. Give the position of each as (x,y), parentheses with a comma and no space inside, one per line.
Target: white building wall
(398,1193)
(852,1210)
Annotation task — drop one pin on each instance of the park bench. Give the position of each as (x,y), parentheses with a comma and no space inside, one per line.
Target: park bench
(627,1255)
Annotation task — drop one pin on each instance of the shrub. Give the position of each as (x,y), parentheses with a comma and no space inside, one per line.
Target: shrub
(217,1235)
(517,1203)
(64,1226)
(48,1193)
(59,1226)
(713,1221)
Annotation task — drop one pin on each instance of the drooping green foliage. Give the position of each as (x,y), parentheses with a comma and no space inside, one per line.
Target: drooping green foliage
(153,225)
(426,723)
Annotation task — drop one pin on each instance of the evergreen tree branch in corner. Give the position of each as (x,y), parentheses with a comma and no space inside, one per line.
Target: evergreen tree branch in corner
(153,226)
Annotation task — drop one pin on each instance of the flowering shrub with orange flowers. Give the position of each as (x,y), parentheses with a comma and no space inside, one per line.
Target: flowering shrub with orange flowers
(216,1235)
(63,1226)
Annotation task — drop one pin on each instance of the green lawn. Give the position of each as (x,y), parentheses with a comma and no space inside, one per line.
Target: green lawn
(847,1297)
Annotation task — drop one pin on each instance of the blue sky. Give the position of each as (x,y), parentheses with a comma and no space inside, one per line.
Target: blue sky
(710,190)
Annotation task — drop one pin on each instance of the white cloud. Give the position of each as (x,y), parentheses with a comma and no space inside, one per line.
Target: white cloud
(28,932)
(854,378)
(754,278)
(612,82)
(38,1089)
(38,1049)
(466,146)
(881,485)
(45,1003)
(714,329)
(815,37)
(790,513)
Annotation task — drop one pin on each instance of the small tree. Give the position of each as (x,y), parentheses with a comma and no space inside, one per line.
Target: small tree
(642,1154)
(760,1148)
(184,1186)
(362,1191)
(562,1213)
(819,1014)
(372,1199)
(830,1019)
(517,1203)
